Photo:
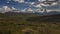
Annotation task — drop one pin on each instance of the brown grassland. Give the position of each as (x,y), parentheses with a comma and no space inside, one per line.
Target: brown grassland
(29,24)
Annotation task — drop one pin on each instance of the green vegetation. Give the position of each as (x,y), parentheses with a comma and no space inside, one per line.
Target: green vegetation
(29,24)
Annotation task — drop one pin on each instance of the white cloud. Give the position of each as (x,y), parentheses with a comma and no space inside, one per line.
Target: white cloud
(20,1)
(42,0)
(6,9)
(38,0)
(13,8)
(28,10)
(32,3)
(37,5)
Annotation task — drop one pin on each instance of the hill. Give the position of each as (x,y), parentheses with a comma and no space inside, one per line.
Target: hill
(46,18)
(29,24)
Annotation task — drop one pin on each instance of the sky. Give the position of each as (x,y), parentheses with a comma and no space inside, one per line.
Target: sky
(20,4)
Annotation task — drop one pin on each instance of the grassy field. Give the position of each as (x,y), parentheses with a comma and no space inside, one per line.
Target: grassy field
(29,24)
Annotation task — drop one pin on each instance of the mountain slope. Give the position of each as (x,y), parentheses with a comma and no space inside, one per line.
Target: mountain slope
(46,18)
(51,13)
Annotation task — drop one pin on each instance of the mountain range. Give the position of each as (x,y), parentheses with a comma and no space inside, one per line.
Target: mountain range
(6,9)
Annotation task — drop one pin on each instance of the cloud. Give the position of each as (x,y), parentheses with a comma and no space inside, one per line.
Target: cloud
(13,8)
(32,3)
(8,2)
(42,0)
(38,0)
(37,5)
(20,1)
(28,10)
(6,9)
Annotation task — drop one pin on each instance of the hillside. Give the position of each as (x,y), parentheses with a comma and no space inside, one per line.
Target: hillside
(29,24)
(46,18)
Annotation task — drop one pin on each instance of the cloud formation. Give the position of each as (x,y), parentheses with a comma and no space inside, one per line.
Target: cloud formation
(38,0)
(31,4)
(6,9)
(20,1)
(28,10)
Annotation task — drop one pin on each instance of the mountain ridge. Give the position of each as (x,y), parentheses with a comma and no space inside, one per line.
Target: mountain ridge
(46,18)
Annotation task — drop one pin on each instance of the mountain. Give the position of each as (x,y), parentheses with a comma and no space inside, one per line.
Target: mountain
(46,18)
(51,13)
